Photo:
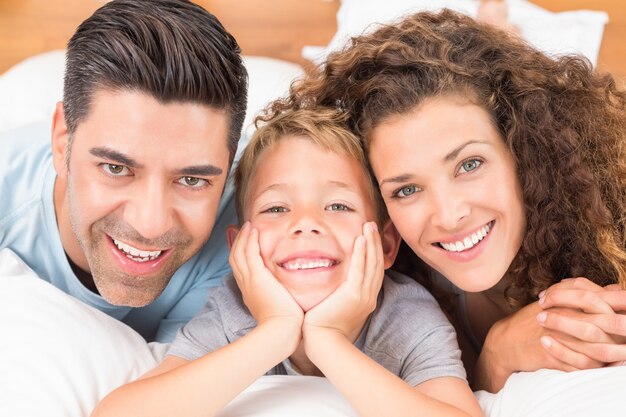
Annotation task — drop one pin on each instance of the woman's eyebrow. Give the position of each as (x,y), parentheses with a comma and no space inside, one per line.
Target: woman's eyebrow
(455,152)
(396,179)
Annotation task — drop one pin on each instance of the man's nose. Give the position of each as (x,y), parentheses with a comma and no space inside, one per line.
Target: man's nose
(149,210)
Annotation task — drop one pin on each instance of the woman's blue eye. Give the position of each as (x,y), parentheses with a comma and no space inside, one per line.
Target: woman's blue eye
(405,191)
(338,207)
(470,165)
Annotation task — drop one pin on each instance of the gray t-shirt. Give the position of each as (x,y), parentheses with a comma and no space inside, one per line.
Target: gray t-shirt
(408,333)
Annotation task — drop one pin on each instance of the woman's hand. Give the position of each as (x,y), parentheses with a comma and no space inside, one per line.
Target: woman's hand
(347,308)
(266,298)
(594,317)
(515,343)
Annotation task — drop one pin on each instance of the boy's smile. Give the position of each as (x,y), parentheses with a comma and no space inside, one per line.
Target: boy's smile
(309,205)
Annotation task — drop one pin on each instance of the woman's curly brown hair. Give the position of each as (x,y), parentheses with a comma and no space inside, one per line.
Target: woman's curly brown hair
(563,123)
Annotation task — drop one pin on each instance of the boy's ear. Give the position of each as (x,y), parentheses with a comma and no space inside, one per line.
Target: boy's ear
(231,234)
(60,141)
(391,243)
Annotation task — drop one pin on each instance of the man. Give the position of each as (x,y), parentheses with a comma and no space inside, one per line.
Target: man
(127,209)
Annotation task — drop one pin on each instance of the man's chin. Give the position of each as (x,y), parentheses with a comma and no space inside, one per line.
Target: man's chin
(124,297)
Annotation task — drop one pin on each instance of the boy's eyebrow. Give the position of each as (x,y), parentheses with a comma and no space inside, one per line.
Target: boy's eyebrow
(112,155)
(194,170)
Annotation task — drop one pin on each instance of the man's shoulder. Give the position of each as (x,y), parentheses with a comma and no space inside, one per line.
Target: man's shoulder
(30,140)
(26,152)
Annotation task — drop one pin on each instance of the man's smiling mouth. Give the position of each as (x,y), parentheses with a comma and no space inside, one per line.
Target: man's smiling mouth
(135,254)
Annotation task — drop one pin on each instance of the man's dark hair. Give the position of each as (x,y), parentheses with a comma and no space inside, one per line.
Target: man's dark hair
(173,50)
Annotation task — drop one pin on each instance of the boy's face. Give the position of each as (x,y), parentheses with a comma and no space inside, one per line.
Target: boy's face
(309,205)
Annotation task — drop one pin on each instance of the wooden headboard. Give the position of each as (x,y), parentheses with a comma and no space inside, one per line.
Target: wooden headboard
(275,28)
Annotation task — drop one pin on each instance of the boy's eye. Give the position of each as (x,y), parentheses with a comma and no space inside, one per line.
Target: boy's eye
(275,209)
(405,191)
(192,182)
(115,170)
(338,207)
(470,165)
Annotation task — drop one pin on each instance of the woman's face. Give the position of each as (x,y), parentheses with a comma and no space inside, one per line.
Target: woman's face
(450,185)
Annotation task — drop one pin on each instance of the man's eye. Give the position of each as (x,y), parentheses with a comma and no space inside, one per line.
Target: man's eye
(338,207)
(405,191)
(115,170)
(192,182)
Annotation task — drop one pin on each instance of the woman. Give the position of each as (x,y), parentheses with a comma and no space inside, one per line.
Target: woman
(504,171)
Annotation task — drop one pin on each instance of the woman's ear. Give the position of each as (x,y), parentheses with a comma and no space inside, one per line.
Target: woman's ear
(391,243)
(60,141)
(231,234)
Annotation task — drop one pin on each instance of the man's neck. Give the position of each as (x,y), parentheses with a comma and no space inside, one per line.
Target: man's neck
(83,276)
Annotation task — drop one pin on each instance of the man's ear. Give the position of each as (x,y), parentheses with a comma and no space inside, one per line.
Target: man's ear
(231,234)
(391,243)
(60,141)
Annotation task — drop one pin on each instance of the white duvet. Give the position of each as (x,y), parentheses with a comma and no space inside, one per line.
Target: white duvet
(58,357)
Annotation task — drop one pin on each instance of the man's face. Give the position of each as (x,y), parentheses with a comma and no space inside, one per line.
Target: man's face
(141,192)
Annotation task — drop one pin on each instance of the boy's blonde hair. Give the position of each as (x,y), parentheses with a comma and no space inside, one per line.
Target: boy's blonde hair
(323,126)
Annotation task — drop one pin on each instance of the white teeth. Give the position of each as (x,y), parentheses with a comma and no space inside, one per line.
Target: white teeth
(302,263)
(135,254)
(469,241)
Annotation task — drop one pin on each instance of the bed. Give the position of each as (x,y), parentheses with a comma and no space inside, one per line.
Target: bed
(54,365)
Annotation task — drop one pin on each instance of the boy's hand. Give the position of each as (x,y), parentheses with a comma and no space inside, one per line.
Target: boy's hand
(345,311)
(264,296)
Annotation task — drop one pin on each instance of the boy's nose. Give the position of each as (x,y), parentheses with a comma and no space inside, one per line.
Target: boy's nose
(306,224)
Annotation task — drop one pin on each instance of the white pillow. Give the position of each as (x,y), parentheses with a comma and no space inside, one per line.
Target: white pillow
(289,396)
(550,393)
(554,33)
(59,356)
(30,90)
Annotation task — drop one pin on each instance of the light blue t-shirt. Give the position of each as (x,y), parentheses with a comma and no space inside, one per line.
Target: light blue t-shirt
(28,226)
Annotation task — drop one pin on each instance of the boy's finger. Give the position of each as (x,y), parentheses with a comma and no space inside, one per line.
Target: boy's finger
(356,269)
(237,256)
(373,269)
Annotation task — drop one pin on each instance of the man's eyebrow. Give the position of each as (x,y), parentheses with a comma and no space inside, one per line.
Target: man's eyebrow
(200,171)
(455,152)
(112,155)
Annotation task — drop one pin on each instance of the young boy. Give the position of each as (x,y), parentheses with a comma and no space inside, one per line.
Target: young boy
(309,294)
